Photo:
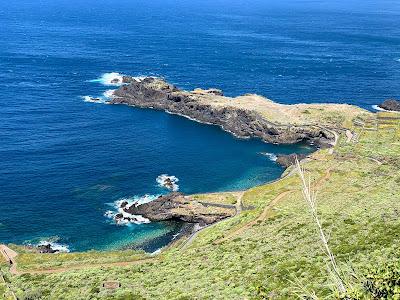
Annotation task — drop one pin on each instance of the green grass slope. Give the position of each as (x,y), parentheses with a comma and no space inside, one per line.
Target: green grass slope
(272,251)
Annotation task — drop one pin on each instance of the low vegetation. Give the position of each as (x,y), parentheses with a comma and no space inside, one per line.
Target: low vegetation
(221,198)
(272,251)
(34,261)
(5,292)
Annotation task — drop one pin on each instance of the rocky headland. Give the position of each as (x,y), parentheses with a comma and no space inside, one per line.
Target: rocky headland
(176,206)
(245,116)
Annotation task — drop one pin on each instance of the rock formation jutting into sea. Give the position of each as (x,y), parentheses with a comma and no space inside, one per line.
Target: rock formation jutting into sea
(242,116)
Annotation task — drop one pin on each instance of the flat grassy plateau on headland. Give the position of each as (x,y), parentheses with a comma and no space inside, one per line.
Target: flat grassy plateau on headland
(273,250)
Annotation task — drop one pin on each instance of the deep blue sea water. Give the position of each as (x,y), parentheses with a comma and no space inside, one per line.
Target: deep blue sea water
(63,162)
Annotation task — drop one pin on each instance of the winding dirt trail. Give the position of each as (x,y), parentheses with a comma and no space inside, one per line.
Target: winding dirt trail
(84,266)
(349,136)
(268,209)
(239,209)
(10,255)
(264,215)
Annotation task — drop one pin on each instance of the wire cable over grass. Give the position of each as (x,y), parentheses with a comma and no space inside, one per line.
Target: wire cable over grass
(311,198)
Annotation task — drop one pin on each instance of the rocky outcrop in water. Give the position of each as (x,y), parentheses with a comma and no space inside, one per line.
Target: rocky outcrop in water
(390,104)
(201,106)
(46,249)
(176,206)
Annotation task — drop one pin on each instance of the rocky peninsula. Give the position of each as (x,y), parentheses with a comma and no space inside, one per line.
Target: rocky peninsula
(176,206)
(245,116)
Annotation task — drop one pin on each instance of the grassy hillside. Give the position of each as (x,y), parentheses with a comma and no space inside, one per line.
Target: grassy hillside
(5,292)
(332,115)
(271,251)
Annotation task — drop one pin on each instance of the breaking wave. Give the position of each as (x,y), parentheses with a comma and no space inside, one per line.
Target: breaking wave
(121,217)
(168,182)
(271,156)
(109,94)
(376,107)
(110,79)
(60,248)
(94,99)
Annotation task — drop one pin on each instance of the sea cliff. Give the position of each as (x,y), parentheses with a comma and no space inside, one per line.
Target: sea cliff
(246,116)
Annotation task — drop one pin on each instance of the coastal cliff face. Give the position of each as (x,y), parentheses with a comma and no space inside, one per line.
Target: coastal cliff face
(210,106)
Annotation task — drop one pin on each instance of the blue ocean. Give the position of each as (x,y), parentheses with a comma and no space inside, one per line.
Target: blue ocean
(65,162)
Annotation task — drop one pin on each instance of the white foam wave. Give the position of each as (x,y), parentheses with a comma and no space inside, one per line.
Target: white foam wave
(378,108)
(128,218)
(60,248)
(169,182)
(271,156)
(125,218)
(158,251)
(109,214)
(94,99)
(109,94)
(110,79)
(189,118)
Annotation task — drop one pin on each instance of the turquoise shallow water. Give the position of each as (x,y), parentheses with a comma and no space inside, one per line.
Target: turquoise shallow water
(64,162)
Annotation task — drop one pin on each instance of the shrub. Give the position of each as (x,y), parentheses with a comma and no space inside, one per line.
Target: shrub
(32,295)
(383,282)
(378,282)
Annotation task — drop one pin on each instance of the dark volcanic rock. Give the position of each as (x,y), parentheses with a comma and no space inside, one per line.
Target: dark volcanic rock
(46,249)
(157,94)
(390,104)
(289,160)
(177,206)
(128,79)
(123,204)
(169,184)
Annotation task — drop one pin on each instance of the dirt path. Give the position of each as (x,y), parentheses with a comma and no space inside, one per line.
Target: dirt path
(193,236)
(335,134)
(84,266)
(268,209)
(264,215)
(323,179)
(10,255)
(239,203)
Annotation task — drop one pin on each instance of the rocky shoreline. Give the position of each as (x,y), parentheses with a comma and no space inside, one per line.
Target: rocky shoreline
(390,105)
(176,206)
(247,116)
(155,93)
(211,107)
